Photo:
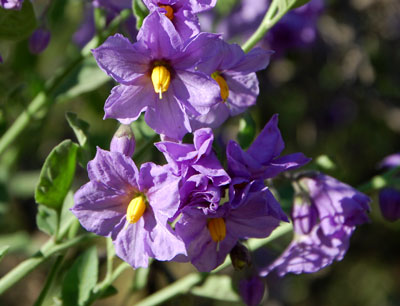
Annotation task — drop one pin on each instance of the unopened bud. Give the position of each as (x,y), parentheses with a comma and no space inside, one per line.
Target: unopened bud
(123,141)
(252,290)
(39,40)
(240,256)
(389,202)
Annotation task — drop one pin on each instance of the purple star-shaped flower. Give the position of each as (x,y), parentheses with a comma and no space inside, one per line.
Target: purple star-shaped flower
(157,76)
(261,161)
(209,235)
(130,206)
(234,71)
(182,13)
(323,224)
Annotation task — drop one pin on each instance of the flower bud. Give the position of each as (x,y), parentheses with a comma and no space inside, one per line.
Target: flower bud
(39,40)
(252,290)
(240,256)
(123,141)
(389,202)
(11,4)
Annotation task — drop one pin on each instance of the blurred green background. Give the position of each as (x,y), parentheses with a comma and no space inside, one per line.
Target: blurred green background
(341,97)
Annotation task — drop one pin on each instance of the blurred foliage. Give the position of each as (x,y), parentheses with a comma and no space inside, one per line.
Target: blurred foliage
(339,103)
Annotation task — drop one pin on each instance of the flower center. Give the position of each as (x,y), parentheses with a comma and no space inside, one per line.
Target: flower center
(170,11)
(222,85)
(161,78)
(217,229)
(136,209)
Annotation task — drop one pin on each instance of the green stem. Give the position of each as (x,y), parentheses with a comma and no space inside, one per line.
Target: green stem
(186,283)
(273,15)
(48,250)
(379,181)
(49,281)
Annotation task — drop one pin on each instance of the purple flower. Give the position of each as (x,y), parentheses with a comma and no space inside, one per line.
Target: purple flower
(39,40)
(210,234)
(130,206)
(11,4)
(389,202)
(234,71)
(261,161)
(201,174)
(252,290)
(182,13)
(390,161)
(157,76)
(323,223)
(123,141)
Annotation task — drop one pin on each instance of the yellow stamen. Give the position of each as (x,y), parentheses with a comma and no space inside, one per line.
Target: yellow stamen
(161,78)
(136,209)
(222,85)
(170,11)
(217,229)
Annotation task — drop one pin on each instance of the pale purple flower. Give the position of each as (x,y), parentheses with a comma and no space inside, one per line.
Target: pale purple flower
(39,40)
(324,221)
(252,290)
(389,203)
(123,141)
(390,161)
(235,73)
(182,13)
(101,205)
(159,46)
(256,217)
(11,4)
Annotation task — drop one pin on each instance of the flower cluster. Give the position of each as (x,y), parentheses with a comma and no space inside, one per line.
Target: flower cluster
(191,209)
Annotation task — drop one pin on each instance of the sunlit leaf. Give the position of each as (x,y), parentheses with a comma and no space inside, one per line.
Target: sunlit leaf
(140,11)
(56,175)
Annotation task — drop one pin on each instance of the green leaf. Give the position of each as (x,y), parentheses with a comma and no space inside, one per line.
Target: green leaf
(298,3)
(85,78)
(217,287)
(17,25)
(224,7)
(46,220)
(57,175)
(140,11)
(247,130)
(4,251)
(80,279)
(110,291)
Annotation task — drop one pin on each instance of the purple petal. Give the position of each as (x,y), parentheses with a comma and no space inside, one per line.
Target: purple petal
(257,59)
(196,90)
(99,208)
(202,5)
(161,188)
(268,144)
(285,163)
(389,203)
(390,161)
(126,103)
(252,290)
(114,170)
(120,59)
(168,117)
(160,36)
(217,115)
(239,162)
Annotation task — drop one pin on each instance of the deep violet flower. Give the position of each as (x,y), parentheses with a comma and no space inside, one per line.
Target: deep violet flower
(11,4)
(201,174)
(131,206)
(182,13)
(389,203)
(323,222)
(157,76)
(261,160)
(234,71)
(252,290)
(210,234)
(39,40)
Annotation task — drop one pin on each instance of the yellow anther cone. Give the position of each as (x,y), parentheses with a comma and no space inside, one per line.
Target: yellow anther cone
(217,229)
(161,78)
(136,209)
(222,85)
